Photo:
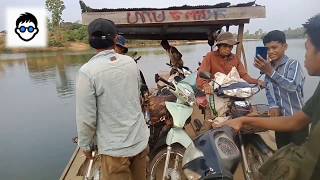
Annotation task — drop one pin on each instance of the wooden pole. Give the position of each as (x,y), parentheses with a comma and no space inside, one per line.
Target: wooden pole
(244,57)
(240,46)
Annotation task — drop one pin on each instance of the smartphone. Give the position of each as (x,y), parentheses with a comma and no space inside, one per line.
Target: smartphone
(262,51)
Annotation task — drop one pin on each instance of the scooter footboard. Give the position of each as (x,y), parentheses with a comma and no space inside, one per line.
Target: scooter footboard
(257,141)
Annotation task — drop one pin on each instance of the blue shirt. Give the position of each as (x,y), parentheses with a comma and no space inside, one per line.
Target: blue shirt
(284,88)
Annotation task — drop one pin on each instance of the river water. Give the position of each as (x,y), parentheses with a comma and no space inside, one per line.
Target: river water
(37,109)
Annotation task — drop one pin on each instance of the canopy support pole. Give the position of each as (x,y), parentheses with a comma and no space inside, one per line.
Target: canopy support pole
(240,48)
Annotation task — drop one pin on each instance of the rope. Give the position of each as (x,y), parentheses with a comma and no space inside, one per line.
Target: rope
(212,104)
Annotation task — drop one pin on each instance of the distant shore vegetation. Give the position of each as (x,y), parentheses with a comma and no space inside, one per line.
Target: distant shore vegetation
(75,32)
(296,33)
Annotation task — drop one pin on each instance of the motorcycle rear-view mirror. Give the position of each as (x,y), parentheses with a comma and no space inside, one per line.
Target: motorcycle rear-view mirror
(169,64)
(134,54)
(156,78)
(177,78)
(205,75)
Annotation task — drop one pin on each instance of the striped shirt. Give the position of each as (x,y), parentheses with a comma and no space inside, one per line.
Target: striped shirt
(284,88)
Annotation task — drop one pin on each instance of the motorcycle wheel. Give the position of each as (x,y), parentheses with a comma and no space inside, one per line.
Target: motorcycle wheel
(157,164)
(255,158)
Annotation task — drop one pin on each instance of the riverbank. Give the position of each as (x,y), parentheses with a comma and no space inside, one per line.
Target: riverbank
(73,47)
(83,47)
(80,46)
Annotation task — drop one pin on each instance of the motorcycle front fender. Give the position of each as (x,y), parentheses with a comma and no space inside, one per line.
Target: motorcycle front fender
(178,135)
(179,112)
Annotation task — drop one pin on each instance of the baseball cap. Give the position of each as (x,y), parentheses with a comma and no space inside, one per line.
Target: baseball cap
(102,28)
(121,41)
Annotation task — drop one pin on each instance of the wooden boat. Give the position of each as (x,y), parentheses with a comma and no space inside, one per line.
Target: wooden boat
(176,23)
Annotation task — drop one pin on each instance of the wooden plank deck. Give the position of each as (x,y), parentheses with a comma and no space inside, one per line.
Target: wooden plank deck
(71,170)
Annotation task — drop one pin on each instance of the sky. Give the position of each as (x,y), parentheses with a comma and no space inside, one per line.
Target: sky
(280,14)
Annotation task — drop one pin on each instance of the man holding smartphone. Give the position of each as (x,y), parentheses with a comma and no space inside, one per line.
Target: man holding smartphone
(293,164)
(284,84)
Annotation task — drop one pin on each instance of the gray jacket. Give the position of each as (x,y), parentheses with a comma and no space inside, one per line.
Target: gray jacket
(108,106)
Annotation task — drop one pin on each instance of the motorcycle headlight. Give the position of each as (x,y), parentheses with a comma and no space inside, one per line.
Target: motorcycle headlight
(185,93)
(190,175)
(226,147)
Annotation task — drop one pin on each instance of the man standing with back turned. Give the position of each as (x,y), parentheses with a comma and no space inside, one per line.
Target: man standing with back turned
(108,107)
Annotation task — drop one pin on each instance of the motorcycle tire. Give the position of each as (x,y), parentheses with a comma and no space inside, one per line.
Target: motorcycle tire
(157,164)
(255,158)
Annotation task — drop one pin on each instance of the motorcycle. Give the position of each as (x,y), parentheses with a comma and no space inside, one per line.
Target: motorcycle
(170,147)
(216,153)
(159,118)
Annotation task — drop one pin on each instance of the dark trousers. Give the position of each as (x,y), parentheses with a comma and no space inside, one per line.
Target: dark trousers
(285,138)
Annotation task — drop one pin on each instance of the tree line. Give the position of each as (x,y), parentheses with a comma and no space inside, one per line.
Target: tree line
(75,32)
(290,33)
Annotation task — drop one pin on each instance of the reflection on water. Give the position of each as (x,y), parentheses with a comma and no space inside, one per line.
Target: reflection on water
(38,105)
(37,114)
(56,68)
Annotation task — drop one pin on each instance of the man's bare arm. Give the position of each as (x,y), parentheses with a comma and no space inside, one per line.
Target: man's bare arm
(282,124)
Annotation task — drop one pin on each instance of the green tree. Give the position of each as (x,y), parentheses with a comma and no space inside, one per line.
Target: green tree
(55,7)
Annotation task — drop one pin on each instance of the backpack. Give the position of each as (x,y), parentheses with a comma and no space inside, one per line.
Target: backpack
(294,162)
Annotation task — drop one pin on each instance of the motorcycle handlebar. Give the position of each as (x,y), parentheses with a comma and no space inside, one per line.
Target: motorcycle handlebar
(137,59)
(159,78)
(184,67)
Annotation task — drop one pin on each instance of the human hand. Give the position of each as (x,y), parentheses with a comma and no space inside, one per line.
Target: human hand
(273,112)
(207,89)
(264,65)
(261,84)
(88,154)
(236,124)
